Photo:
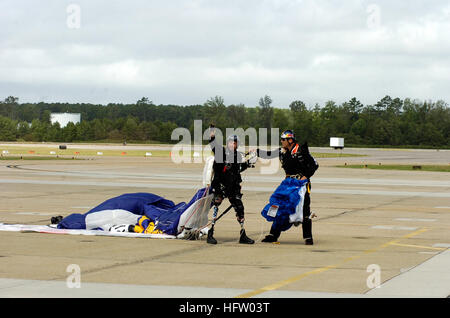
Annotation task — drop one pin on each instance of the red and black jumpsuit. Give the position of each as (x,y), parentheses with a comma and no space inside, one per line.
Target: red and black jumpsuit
(297,162)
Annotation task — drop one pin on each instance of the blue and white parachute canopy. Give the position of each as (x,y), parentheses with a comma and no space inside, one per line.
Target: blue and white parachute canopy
(168,217)
(285,205)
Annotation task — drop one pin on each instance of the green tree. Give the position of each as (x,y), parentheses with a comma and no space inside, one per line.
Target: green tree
(383,104)
(236,115)
(359,127)
(39,130)
(23,129)
(216,112)
(54,133)
(7,129)
(297,106)
(69,133)
(46,114)
(391,121)
(99,129)
(130,129)
(144,101)
(85,132)
(8,107)
(266,111)
(281,119)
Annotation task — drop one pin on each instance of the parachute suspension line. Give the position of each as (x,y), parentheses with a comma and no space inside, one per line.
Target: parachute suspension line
(198,206)
(215,219)
(207,179)
(261,220)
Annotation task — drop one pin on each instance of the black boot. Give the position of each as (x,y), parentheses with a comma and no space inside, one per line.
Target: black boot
(211,239)
(56,219)
(272,237)
(244,239)
(269,239)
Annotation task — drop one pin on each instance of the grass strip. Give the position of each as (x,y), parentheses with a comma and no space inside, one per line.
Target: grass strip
(436,168)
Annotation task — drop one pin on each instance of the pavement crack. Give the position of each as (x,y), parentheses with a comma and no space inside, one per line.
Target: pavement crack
(362,209)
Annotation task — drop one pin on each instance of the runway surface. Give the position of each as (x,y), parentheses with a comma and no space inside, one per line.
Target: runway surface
(373,224)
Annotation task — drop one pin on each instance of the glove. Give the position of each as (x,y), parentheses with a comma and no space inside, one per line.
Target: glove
(252,158)
(249,165)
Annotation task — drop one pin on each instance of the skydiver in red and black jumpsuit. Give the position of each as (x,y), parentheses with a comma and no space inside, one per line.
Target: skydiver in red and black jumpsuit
(297,163)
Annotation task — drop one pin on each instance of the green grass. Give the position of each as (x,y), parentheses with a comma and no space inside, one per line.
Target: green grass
(70,152)
(44,151)
(38,158)
(437,168)
(399,147)
(334,155)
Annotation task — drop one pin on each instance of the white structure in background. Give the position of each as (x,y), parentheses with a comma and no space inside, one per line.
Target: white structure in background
(337,143)
(64,118)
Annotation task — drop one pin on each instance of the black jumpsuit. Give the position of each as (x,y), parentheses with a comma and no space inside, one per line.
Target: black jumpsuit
(226,182)
(297,162)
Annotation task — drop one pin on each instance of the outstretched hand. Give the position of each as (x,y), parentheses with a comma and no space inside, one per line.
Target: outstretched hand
(252,158)
(212,130)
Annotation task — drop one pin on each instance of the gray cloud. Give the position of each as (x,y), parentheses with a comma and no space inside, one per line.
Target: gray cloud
(184,52)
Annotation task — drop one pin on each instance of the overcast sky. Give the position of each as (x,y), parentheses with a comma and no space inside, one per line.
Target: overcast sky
(184,52)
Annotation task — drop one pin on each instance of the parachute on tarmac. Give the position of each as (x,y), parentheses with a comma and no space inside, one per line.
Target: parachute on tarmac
(148,214)
(166,216)
(151,213)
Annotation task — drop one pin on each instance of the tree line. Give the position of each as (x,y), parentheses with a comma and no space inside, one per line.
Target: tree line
(390,121)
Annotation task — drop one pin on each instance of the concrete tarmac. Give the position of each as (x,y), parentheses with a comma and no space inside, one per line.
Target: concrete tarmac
(375,228)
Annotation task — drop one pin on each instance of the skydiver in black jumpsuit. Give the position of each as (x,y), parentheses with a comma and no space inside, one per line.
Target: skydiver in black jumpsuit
(226,183)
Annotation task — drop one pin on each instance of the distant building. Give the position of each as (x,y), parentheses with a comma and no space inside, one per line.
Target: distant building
(64,118)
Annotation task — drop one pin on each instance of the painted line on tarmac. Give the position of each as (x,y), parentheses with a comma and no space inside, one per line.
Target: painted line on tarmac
(361,192)
(393,227)
(444,245)
(415,220)
(260,178)
(245,188)
(350,224)
(10,287)
(419,246)
(34,213)
(101,184)
(294,279)
(385,193)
